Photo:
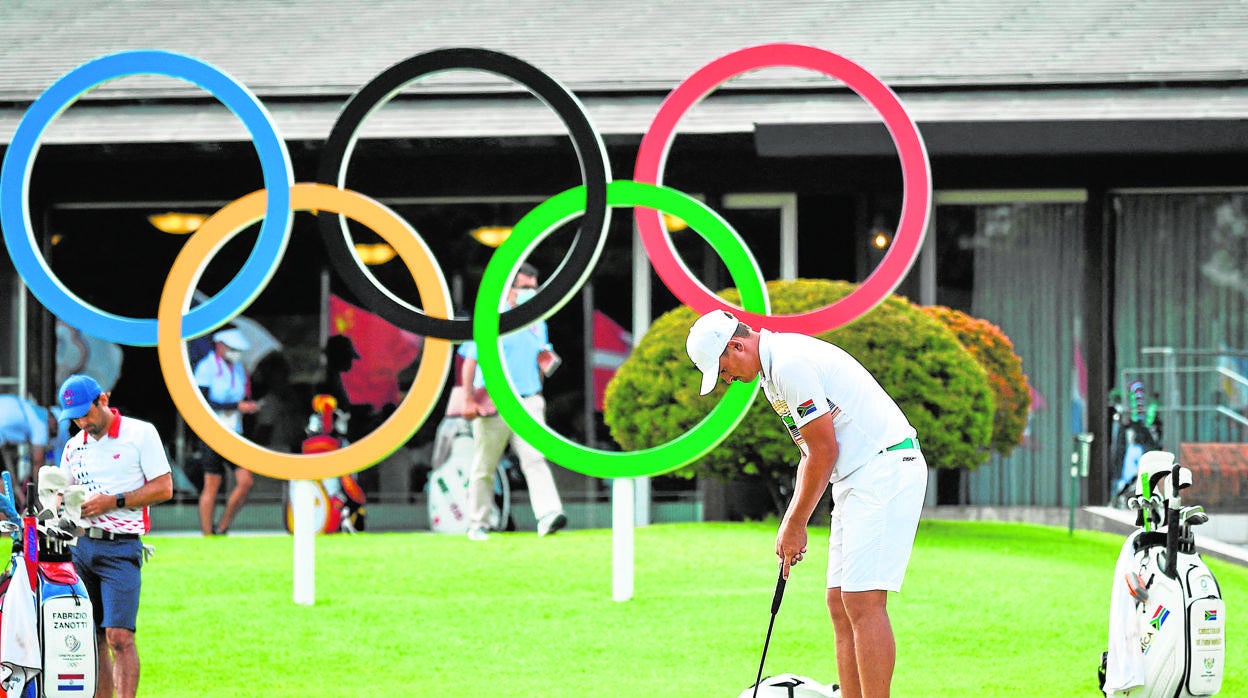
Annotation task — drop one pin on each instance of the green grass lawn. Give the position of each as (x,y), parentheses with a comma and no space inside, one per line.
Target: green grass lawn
(987,610)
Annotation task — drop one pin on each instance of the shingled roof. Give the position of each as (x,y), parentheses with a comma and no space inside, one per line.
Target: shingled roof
(999,58)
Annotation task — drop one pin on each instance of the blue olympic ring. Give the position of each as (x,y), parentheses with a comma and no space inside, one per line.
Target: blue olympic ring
(15,195)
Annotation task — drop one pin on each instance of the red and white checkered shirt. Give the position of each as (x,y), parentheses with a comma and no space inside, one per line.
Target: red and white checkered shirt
(130,455)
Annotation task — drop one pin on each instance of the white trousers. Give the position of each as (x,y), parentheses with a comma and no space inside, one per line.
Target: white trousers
(490,437)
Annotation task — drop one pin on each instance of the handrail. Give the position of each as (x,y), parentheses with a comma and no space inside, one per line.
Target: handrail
(1172,404)
(1231,414)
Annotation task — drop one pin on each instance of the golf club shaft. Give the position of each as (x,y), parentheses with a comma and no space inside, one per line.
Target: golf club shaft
(775,607)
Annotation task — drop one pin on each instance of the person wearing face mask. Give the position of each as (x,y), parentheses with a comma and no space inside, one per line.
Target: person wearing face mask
(529,358)
(222,379)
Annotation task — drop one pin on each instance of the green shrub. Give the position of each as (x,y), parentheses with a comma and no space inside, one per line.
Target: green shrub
(995,352)
(942,389)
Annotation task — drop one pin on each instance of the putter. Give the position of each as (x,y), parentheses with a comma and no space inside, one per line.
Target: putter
(775,606)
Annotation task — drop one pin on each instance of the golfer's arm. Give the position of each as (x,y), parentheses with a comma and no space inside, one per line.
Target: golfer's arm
(153,491)
(815,468)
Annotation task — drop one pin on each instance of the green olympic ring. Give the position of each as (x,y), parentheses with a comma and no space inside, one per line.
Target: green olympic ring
(503,265)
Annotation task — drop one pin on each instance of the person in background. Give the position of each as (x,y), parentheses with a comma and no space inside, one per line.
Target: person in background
(340,357)
(121,462)
(222,379)
(524,352)
(22,422)
(57,439)
(279,419)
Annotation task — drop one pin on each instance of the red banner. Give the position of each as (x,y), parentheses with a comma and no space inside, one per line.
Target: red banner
(384,350)
(612,344)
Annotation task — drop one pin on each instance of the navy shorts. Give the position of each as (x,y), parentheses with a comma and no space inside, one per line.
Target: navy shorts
(109,569)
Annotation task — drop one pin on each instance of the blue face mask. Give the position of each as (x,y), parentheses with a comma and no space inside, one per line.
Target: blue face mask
(525,294)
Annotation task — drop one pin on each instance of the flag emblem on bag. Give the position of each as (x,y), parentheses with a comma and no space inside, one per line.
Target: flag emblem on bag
(1211,614)
(70,682)
(1159,618)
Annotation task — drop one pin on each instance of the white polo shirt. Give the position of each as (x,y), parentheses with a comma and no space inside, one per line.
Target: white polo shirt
(130,455)
(804,377)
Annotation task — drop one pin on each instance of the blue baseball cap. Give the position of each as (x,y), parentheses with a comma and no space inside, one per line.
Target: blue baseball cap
(77,393)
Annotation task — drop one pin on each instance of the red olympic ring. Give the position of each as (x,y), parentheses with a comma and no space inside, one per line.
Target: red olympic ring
(915,169)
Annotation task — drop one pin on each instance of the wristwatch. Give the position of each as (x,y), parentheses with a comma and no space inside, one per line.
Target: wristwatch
(121,501)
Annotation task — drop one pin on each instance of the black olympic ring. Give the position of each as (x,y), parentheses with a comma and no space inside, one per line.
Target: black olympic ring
(575,268)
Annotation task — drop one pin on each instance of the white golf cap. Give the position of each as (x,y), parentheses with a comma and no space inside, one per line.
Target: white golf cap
(707,339)
(232,338)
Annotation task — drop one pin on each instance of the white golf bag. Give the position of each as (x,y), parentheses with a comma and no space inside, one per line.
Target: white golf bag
(448,481)
(791,686)
(1167,617)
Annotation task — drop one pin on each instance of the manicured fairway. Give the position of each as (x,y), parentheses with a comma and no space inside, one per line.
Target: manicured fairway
(987,610)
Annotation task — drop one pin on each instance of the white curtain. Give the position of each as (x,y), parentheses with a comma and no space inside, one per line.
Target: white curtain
(1028,272)
(1181,281)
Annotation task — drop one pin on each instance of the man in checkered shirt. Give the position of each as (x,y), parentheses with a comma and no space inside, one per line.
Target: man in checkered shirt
(122,464)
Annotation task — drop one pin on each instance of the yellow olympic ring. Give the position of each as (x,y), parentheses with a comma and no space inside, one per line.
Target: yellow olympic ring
(174,362)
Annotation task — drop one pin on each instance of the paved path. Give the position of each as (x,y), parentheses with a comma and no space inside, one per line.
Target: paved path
(1106,519)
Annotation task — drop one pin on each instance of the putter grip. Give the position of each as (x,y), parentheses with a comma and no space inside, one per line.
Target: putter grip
(775,600)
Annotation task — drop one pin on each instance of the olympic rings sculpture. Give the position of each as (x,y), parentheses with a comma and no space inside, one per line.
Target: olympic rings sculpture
(593,201)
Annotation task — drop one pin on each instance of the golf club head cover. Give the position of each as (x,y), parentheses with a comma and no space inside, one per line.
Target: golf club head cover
(52,482)
(74,497)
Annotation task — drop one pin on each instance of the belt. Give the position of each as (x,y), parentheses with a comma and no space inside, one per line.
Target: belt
(101,534)
(903,445)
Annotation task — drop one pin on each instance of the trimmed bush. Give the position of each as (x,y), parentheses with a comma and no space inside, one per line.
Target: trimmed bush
(942,389)
(995,352)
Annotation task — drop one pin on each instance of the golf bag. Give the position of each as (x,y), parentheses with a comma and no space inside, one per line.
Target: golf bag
(338,506)
(340,503)
(791,686)
(1167,617)
(47,628)
(448,481)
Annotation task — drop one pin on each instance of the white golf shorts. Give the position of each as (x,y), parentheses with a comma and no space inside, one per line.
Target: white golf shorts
(875,516)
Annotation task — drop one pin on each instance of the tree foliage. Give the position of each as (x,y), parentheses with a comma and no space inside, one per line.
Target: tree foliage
(995,352)
(941,388)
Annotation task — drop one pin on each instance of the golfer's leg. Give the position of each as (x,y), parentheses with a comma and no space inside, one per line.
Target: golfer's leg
(881,517)
(125,661)
(846,655)
(543,494)
(104,667)
(489,438)
(873,640)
